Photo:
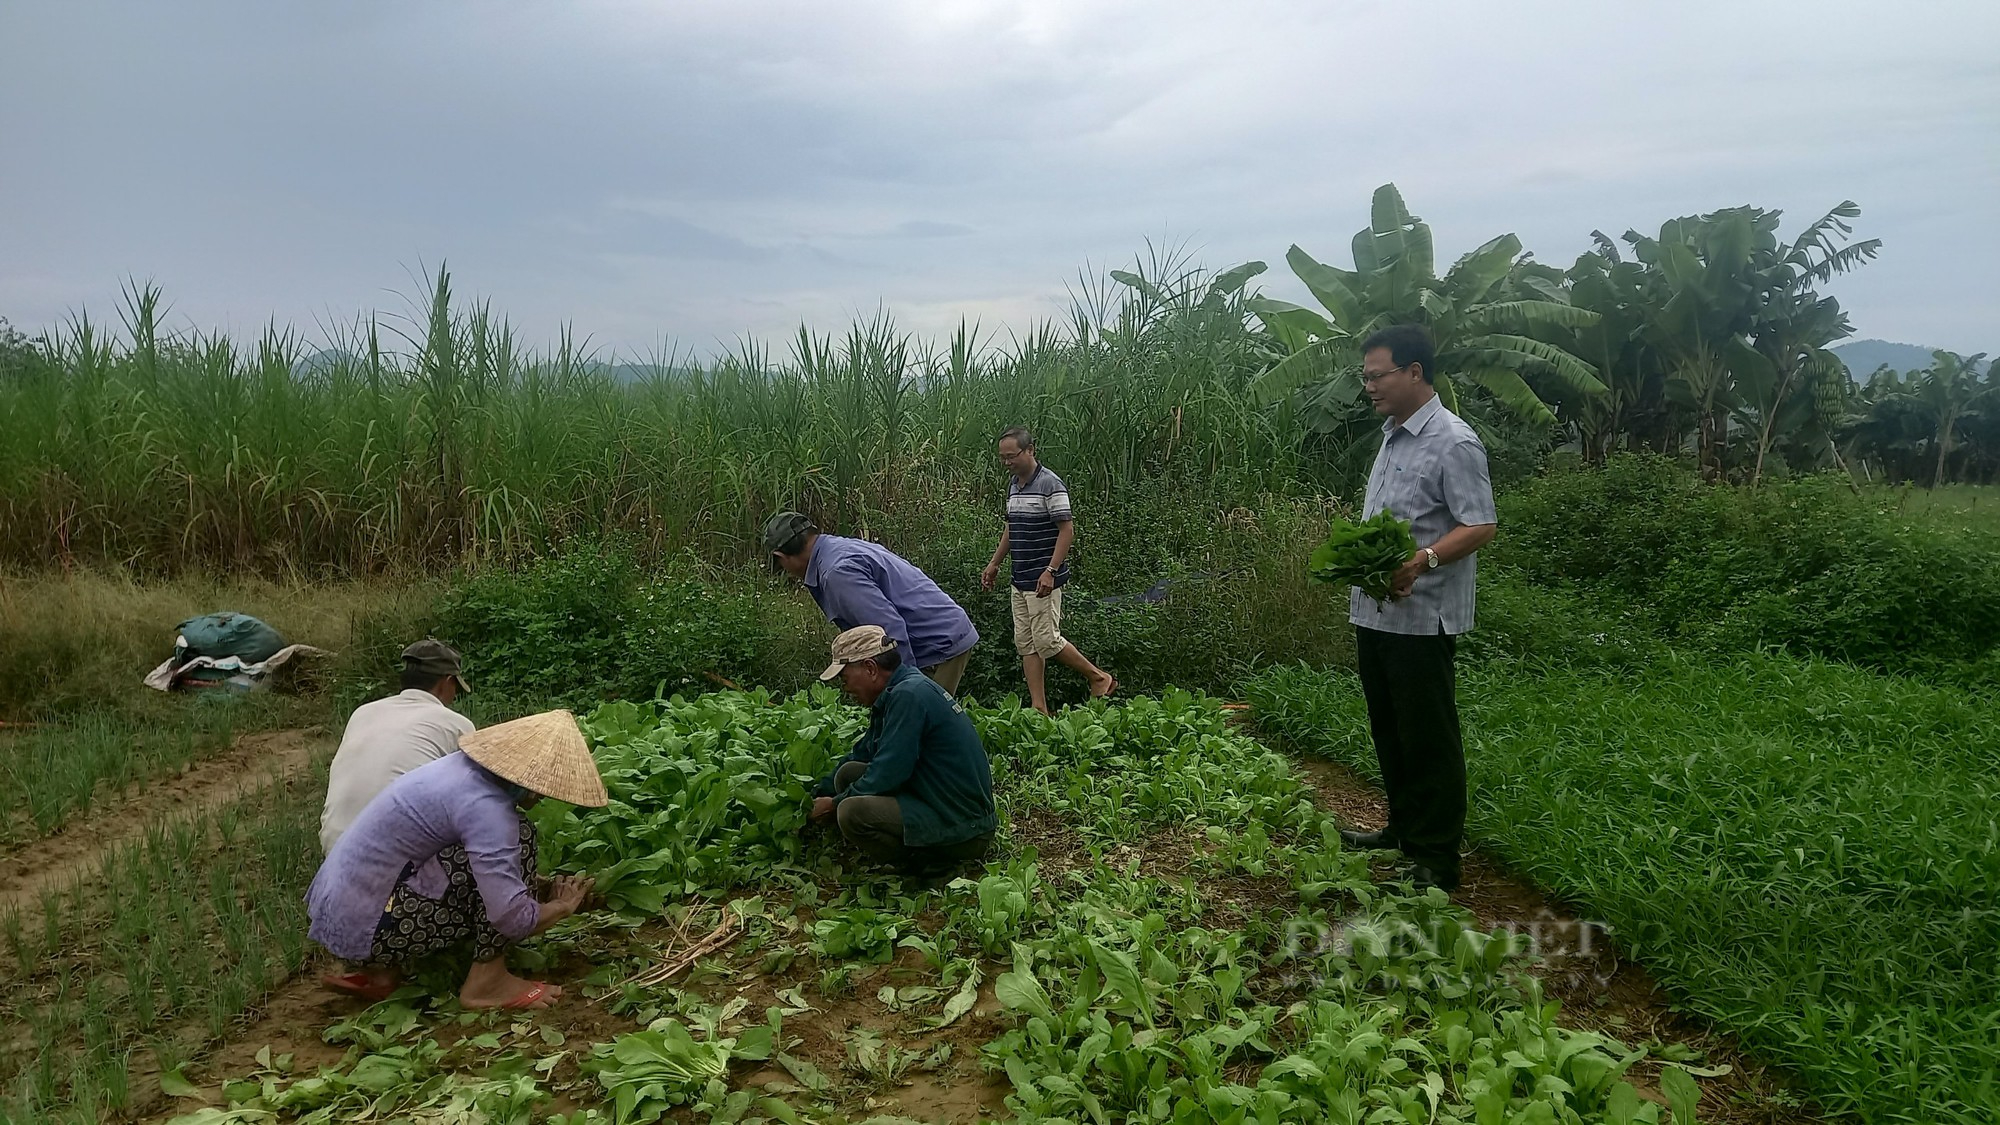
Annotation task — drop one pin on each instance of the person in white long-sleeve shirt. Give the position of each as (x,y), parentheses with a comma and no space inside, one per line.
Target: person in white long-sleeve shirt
(390,737)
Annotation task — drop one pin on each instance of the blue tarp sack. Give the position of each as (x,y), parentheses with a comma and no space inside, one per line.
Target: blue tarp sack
(216,635)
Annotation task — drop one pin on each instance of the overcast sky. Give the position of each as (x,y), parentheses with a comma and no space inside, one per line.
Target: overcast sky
(692,173)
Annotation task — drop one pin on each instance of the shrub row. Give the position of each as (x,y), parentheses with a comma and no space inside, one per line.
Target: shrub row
(1164,594)
(1807,565)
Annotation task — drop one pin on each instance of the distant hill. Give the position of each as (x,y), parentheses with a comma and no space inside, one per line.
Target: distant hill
(1862,357)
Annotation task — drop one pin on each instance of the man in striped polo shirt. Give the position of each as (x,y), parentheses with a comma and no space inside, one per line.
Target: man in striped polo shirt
(1038,535)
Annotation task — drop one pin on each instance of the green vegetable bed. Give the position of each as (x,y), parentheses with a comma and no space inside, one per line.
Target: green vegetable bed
(1803,851)
(1191,946)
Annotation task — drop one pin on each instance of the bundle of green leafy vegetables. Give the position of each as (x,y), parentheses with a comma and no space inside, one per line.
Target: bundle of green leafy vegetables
(1365,554)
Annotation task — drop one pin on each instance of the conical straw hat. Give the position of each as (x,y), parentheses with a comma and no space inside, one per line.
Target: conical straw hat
(544,753)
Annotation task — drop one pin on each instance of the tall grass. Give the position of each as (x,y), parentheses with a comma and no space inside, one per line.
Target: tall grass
(437,438)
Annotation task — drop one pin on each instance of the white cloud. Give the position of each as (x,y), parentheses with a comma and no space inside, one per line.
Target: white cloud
(704,170)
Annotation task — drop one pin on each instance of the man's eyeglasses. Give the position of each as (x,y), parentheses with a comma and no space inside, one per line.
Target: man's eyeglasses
(1371,378)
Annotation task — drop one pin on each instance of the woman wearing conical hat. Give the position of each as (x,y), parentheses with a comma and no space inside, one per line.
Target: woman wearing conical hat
(443,857)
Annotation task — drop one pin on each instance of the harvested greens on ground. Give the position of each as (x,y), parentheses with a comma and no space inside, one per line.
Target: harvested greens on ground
(1364,554)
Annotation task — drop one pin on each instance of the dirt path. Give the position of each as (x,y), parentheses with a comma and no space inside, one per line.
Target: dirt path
(1581,967)
(78,849)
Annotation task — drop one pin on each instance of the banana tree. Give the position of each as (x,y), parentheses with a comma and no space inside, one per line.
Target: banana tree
(1603,282)
(1946,391)
(1886,426)
(1701,299)
(1731,314)
(1490,322)
(1787,381)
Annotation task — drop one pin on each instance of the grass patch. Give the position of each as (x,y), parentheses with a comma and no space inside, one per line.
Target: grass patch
(81,641)
(1952,507)
(53,771)
(1802,851)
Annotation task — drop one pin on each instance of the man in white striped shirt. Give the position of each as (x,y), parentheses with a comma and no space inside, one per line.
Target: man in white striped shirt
(1038,535)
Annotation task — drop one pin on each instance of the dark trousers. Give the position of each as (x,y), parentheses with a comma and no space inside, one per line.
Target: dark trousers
(875,825)
(415,927)
(1413,717)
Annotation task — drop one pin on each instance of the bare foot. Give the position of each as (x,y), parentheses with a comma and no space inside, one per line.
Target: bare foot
(495,987)
(1105,685)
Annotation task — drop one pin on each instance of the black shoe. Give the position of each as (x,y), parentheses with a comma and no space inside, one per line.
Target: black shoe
(1423,877)
(1378,839)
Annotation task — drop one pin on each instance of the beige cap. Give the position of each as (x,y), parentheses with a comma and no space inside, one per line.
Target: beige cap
(544,753)
(858,643)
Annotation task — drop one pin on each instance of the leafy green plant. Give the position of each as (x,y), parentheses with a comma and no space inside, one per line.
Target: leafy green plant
(706,792)
(587,624)
(404,1081)
(1365,553)
(885,1063)
(858,933)
(649,1072)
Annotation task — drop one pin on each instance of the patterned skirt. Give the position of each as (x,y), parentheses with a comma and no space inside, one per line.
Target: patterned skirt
(415,927)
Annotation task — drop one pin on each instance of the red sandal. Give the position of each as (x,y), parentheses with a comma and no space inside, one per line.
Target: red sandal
(358,984)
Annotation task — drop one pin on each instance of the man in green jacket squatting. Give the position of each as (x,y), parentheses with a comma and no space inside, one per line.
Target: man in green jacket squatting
(916,792)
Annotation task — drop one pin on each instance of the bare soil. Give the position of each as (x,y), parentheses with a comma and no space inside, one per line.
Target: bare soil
(77,850)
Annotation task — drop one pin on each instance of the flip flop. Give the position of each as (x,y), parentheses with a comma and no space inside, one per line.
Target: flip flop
(358,984)
(527,999)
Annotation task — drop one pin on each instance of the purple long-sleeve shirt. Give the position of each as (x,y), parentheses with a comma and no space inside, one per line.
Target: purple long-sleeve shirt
(453,800)
(857,582)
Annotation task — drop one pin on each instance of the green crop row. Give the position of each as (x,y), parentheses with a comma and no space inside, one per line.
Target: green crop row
(52,772)
(1802,851)
(157,952)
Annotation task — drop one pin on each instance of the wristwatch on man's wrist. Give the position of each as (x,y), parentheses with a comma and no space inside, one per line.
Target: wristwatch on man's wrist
(1431,559)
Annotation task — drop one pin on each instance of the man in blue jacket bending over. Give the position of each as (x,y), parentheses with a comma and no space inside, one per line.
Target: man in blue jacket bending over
(857,583)
(916,792)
